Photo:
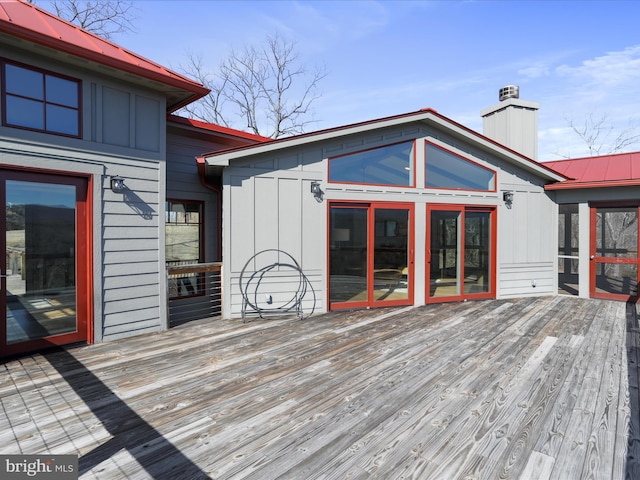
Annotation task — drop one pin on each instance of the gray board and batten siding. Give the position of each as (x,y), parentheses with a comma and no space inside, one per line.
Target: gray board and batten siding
(123,133)
(268,205)
(183,181)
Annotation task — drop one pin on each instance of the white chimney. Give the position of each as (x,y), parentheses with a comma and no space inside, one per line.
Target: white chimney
(513,122)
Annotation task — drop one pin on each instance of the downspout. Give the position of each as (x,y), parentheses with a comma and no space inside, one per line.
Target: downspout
(201,170)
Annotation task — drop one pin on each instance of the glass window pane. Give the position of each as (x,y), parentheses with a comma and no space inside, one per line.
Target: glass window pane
(183,233)
(62,120)
(444,262)
(62,91)
(391,254)
(348,255)
(40,264)
(24,113)
(390,165)
(24,82)
(617,232)
(477,252)
(446,170)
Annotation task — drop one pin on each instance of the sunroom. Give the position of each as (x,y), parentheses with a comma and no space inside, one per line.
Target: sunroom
(403,210)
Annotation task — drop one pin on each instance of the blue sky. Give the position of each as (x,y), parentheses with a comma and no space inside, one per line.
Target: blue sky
(576,58)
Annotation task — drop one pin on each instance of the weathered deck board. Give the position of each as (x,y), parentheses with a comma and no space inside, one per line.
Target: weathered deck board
(543,388)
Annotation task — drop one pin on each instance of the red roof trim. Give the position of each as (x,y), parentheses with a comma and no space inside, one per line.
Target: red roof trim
(28,22)
(420,112)
(212,127)
(573,185)
(319,132)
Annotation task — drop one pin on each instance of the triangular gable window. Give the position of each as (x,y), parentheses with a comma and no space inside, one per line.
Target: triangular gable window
(447,170)
(388,165)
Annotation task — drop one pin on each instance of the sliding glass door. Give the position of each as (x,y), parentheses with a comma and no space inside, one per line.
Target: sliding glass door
(370,254)
(44,282)
(460,253)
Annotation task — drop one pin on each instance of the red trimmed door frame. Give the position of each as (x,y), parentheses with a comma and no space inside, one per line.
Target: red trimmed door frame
(596,257)
(370,273)
(82,255)
(460,211)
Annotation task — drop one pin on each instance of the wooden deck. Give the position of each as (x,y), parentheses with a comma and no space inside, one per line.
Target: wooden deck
(533,388)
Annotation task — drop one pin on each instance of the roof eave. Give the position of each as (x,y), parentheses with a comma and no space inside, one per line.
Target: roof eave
(194,90)
(569,185)
(224,157)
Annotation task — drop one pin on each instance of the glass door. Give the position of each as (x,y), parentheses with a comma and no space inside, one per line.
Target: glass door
(444,259)
(370,255)
(460,252)
(391,255)
(348,255)
(43,283)
(614,252)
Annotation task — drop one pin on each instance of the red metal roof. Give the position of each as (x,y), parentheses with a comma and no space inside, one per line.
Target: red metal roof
(212,127)
(24,20)
(621,169)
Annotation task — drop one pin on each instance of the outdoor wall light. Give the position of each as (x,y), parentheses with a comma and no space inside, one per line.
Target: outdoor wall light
(507,197)
(117,184)
(317,191)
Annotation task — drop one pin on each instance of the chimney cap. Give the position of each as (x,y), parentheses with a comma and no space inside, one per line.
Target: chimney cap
(509,91)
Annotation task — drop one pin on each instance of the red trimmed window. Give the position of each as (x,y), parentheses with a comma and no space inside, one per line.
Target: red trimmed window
(445,169)
(40,100)
(388,165)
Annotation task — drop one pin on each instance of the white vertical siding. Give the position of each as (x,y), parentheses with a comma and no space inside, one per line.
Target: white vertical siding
(270,209)
(268,205)
(527,239)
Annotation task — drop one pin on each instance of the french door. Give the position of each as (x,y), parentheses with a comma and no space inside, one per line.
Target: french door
(460,253)
(370,254)
(44,282)
(614,252)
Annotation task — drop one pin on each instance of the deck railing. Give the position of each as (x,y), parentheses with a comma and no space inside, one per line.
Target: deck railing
(194,292)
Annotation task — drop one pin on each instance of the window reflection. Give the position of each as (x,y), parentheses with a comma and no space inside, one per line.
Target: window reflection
(183,245)
(390,165)
(41,101)
(446,170)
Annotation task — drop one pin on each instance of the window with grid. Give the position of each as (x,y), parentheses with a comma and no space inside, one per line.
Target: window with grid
(40,100)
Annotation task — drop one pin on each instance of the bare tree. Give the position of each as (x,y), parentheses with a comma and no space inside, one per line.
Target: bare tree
(264,87)
(602,138)
(102,17)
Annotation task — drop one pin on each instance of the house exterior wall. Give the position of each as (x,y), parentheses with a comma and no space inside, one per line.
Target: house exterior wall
(123,133)
(268,205)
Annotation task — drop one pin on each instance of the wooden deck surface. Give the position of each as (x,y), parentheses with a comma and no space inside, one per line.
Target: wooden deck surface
(537,388)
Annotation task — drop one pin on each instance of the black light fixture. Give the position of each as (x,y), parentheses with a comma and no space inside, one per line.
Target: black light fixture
(507,196)
(117,184)
(317,191)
